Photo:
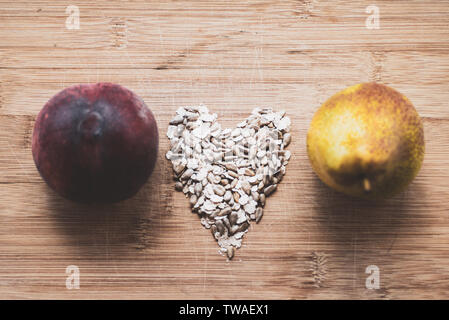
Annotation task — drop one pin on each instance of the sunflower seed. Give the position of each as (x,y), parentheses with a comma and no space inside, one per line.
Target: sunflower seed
(243,199)
(227,196)
(249,172)
(259,214)
(236,196)
(187,174)
(246,187)
(243,227)
(227,174)
(287,139)
(233,174)
(262,199)
(215,198)
(193,200)
(178,186)
(179,168)
(236,132)
(233,217)
(213,230)
(230,251)
(226,223)
(177,120)
(198,188)
(250,207)
(253,180)
(220,227)
(225,211)
(269,190)
(255,196)
(231,166)
(234,229)
(220,190)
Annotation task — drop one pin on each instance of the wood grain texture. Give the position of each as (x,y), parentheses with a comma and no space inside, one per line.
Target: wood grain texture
(232,56)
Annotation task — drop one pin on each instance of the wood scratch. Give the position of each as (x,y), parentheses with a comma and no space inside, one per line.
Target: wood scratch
(318,268)
(18,161)
(119,32)
(304,9)
(377,65)
(354,283)
(205,271)
(392,242)
(28,135)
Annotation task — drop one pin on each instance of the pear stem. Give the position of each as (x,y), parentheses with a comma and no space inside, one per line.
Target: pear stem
(366,185)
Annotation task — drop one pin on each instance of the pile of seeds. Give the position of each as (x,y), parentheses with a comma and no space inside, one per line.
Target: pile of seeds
(228,174)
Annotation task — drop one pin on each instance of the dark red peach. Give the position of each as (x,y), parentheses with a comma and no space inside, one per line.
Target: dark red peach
(95,143)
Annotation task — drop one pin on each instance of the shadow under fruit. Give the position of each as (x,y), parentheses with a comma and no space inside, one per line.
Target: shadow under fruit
(95,143)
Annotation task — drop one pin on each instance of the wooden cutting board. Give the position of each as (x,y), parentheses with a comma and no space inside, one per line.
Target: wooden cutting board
(231,56)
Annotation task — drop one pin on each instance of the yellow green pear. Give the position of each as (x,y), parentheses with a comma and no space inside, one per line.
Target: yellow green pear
(366,141)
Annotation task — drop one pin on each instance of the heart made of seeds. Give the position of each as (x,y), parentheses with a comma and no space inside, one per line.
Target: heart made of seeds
(227,174)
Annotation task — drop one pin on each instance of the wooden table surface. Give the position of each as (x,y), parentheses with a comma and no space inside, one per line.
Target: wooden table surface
(232,56)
